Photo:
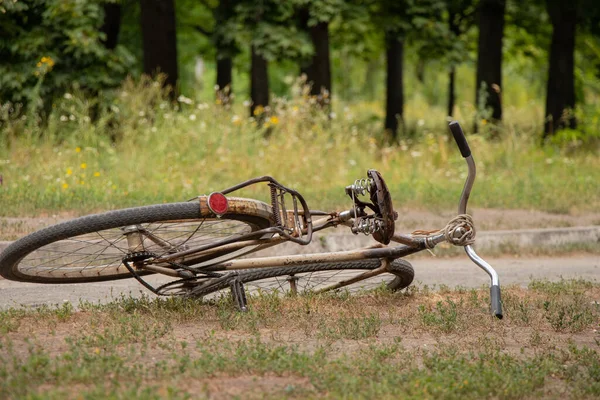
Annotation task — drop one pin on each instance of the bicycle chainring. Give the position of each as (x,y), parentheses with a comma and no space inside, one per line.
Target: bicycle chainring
(381,197)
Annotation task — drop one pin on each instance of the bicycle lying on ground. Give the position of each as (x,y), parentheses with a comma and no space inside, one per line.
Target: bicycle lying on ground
(199,243)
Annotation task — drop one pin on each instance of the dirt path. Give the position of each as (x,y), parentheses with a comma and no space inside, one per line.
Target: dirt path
(12,228)
(429,271)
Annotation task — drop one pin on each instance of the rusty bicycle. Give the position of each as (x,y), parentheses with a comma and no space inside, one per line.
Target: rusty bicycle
(204,244)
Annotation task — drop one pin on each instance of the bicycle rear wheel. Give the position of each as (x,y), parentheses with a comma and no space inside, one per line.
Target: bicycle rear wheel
(91,248)
(315,277)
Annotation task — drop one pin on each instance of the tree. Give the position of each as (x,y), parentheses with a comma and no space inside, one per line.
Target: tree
(460,19)
(159,40)
(560,97)
(394,100)
(111,25)
(489,56)
(223,37)
(265,26)
(315,19)
(51,46)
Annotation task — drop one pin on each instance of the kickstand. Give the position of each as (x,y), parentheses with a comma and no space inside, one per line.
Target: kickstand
(238,293)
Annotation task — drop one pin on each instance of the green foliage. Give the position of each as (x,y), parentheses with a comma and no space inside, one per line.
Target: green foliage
(47,47)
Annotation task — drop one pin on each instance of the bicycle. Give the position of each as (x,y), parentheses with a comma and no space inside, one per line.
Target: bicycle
(200,243)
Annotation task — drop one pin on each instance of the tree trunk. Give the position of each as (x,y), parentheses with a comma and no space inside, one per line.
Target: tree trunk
(489,55)
(455,30)
(159,40)
(394,86)
(224,72)
(259,84)
(318,70)
(560,96)
(451,90)
(225,51)
(111,25)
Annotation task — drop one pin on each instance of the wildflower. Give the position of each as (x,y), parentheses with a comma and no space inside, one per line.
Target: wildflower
(68,96)
(77,149)
(274,120)
(236,120)
(141,113)
(64,118)
(69,171)
(259,110)
(72,117)
(81,182)
(83,165)
(185,100)
(484,121)
(96,174)
(192,117)
(65,185)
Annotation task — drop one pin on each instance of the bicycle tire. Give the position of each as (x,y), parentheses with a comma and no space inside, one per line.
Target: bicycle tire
(400,275)
(253,214)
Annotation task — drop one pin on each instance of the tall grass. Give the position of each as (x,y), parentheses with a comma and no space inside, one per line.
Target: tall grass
(143,149)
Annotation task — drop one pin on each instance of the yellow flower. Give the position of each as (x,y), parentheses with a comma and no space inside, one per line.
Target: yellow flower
(65,185)
(259,110)
(44,59)
(274,120)
(69,171)
(83,165)
(97,350)
(483,121)
(81,182)
(77,149)
(96,174)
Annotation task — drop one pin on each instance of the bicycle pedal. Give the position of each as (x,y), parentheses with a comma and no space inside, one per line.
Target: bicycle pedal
(238,294)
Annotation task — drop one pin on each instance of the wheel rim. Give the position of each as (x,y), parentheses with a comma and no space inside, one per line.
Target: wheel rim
(100,253)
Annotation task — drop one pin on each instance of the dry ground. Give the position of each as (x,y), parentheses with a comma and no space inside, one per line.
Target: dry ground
(416,344)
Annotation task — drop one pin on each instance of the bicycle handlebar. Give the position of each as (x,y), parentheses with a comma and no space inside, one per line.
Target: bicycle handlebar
(460,139)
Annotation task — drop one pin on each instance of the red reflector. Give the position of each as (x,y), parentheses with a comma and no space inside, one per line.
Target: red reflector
(217,203)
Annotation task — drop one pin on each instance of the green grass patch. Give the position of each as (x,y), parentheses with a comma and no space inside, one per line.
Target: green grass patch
(145,151)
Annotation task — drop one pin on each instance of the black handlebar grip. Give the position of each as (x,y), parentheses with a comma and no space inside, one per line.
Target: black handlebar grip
(460,139)
(496,301)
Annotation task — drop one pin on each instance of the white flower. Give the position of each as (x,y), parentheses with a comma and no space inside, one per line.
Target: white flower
(86,119)
(192,117)
(114,109)
(420,122)
(68,96)
(64,118)
(415,154)
(72,117)
(183,99)
(141,113)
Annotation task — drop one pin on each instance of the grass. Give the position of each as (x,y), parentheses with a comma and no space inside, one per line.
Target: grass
(416,344)
(145,151)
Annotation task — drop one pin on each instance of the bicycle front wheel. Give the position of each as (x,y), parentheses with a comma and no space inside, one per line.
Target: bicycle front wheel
(316,277)
(92,248)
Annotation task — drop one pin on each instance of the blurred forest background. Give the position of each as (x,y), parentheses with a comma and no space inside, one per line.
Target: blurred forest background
(207,82)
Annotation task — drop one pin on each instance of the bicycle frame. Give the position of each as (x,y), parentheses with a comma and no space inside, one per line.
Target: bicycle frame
(297,226)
